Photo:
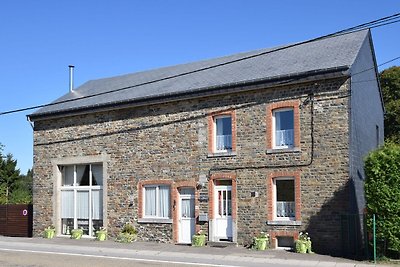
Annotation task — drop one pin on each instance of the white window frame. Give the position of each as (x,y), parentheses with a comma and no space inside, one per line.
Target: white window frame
(75,188)
(274,146)
(215,133)
(276,218)
(157,201)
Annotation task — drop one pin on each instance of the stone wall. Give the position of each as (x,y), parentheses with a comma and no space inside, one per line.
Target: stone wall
(170,142)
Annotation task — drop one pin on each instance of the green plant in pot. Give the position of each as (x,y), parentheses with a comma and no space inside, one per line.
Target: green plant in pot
(49,232)
(101,234)
(261,242)
(128,234)
(199,239)
(303,244)
(76,233)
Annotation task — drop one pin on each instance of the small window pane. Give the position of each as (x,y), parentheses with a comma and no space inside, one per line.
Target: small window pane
(150,201)
(97,174)
(164,202)
(187,210)
(82,175)
(68,176)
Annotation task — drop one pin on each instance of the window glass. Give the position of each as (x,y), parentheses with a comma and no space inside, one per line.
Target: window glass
(164,202)
(82,175)
(68,175)
(150,201)
(285,198)
(223,133)
(157,201)
(284,128)
(97,174)
(187,210)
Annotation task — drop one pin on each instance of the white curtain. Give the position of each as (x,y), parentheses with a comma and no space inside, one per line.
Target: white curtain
(97,174)
(150,201)
(188,208)
(67,204)
(82,204)
(164,202)
(97,207)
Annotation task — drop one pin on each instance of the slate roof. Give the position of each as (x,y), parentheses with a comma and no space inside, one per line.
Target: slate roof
(325,54)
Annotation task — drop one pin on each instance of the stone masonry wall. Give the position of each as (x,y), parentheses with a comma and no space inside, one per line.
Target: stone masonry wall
(170,142)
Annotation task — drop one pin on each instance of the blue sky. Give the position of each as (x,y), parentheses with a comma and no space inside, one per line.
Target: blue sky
(39,39)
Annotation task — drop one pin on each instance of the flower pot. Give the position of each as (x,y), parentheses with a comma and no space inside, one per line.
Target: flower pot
(301,246)
(76,233)
(260,243)
(49,233)
(199,240)
(101,235)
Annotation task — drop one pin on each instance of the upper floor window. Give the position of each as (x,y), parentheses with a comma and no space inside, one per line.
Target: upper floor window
(283,133)
(222,132)
(283,125)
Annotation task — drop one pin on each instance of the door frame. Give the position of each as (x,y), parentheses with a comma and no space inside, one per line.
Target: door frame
(212,207)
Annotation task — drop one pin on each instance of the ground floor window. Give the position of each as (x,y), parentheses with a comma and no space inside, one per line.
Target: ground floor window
(285,198)
(81,198)
(157,201)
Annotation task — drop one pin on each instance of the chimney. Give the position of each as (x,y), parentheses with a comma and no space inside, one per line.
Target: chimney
(71,78)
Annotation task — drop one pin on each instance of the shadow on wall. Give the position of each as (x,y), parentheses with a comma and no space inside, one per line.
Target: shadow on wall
(334,230)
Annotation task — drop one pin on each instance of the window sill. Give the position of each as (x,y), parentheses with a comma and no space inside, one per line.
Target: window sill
(222,154)
(283,150)
(288,222)
(155,220)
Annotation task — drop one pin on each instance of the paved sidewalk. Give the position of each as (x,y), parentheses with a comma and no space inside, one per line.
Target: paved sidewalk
(239,254)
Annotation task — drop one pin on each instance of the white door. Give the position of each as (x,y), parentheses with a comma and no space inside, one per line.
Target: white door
(186,215)
(223,210)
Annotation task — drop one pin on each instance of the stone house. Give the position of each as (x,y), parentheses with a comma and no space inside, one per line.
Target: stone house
(270,140)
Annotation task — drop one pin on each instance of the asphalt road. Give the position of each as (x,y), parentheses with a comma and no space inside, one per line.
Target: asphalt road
(39,252)
(29,259)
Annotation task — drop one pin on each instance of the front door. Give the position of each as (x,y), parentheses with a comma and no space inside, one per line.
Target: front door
(186,215)
(223,213)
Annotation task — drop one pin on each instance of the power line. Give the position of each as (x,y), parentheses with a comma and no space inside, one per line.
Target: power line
(372,24)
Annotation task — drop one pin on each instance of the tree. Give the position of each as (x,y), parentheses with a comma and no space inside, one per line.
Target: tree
(390,84)
(22,189)
(382,193)
(9,175)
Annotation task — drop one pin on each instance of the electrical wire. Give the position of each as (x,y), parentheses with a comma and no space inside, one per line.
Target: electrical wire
(372,24)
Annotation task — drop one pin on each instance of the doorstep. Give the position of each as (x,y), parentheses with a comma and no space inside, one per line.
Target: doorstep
(221,244)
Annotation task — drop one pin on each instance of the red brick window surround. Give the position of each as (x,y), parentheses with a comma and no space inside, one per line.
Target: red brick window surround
(222,132)
(275,234)
(284,198)
(157,194)
(283,125)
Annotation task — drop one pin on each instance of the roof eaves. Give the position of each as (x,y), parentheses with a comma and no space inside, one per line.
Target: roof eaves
(279,80)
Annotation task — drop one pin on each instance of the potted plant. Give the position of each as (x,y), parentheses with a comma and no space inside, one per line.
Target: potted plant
(303,244)
(128,234)
(76,233)
(199,239)
(261,241)
(101,234)
(49,232)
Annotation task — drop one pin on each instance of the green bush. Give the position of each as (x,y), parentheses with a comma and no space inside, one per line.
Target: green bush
(128,234)
(382,193)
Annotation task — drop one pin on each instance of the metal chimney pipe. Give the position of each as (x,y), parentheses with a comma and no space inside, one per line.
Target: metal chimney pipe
(71,78)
